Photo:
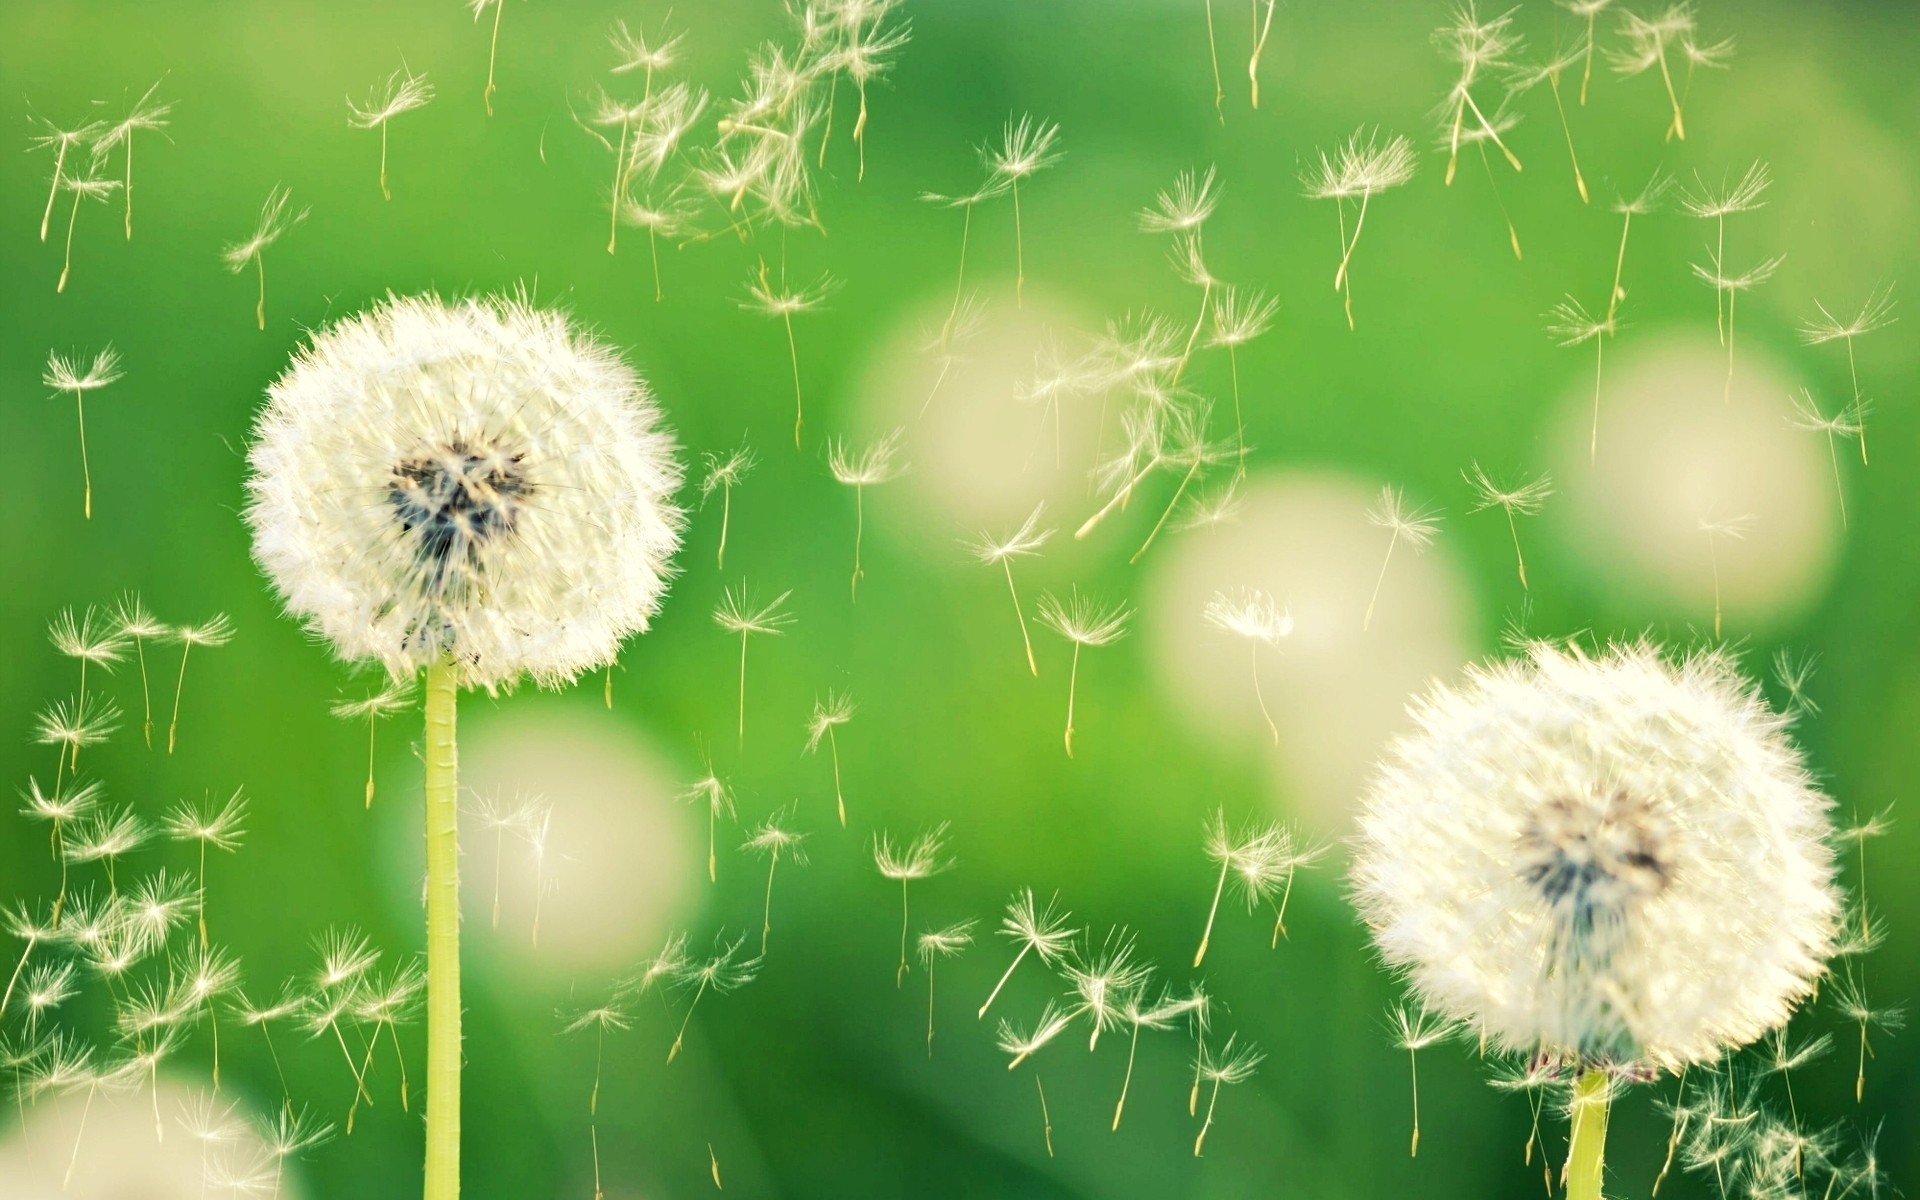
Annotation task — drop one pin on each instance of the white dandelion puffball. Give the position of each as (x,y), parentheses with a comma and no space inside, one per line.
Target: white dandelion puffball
(471,481)
(1614,858)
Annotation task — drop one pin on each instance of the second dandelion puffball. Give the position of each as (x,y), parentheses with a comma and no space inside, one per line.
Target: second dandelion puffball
(475,482)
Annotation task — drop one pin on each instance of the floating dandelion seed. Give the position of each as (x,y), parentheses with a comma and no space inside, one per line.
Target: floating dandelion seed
(1023,1044)
(60,141)
(276,217)
(717,797)
(862,53)
(1502,122)
(1233,1063)
(1651,840)
(993,187)
(1237,320)
(1416,527)
(290,1135)
(1648,42)
(1526,500)
(937,944)
(611,1015)
(1876,312)
(1140,1013)
(1474,45)
(1043,932)
(73,724)
(1591,10)
(90,639)
(1084,622)
(387,1004)
(144,115)
(775,300)
(23,923)
(1185,207)
(1022,542)
(1414,1031)
(1792,674)
(1850,998)
(1843,424)
(135,622)
(477,491)
(1026,148)
(377,706)
(1104,980)
(772,839)
(869,467)
(722,473)
(666,217)
(1046,1118)
(1258,859)
(1533,1076)
(740,613)
(1731,286)
(219,825)
(1734,528)
(1185,445)
(1360,168)
(921,858)
(83,187)
(828,715)
(402,92)
(963,324)
(1549,73)
(1861,831)
(1708,204)
(66,376)
(723,972)
(1643,202)
(1253,615)
(216,631)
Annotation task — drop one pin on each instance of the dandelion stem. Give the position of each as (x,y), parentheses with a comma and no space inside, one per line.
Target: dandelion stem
(1366,622)
(1178,492)
(1677,129)
(1340,276)
(1046,1119)
(839,797)
(1261,698)
(1280,913)
(766,912)
(1213,52)
(900,976)
(859,533)
(74,1160)
(260,308)
(1493,133)
(860,131)
(1726,393)
(1259,48)
(1833,455)
(1586,73)
(86,471)
(673,1051)
(793,356)
(1859,410)
(1413,1059)
(1119,498)
(960,279)
(1519,558)
(1593,442)
(1713,557)
(179,687)
(370,729)
(493,53)
(129,227)
(1673,1138)
(1619,266)
(1213,910)
(741,733)
(386,193)
(53,192)
(619,181)
(991,996)
(1021,617)
(1073,683)
(1239,425)
(1126,1081)
(1579,180)
(726,517)
(929,1008)
(1200,1142)
(1584,1156)
(66,268)
(443,934)
(1019,252)
(146,695)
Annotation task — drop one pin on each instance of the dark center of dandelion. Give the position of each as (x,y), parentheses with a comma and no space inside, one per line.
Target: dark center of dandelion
(454,501)
(1596,854)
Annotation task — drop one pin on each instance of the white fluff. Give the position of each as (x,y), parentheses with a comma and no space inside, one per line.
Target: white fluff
(472,481)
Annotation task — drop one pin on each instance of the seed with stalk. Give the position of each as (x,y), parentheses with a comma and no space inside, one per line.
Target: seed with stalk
(1645,201)
(83,187)
(141,626)
(1258,859)
(1041,932)
(1850,998)
(1026,148)
(1103,979)
(1524,500)
(771,840)
(1731,286)
(1876,312)
(1084,622)
(1862,830)
(723,972)
(276,217)
(722,473)
(1022,1044)
(374,708)
(62,142)
(861,49)
(1141,1013)
(71,725)
(1238,319)
(1213,57)
(215,631)
(1845,423)
(1732,528)
(828,715)
(1415,1030)
(1253,615)
(614,1015)
(402,92)
(1474,45)
(145,115)
(385,1004)
(1359,169)
(1417,527)
(1549,72)
(1185,445)
(922,858)
(1591,10)
(1501,124)
(717,798)
(1666,39)
(1022,542)
(937,944)
(1570,323)
(67,376)
(220,825)
(950,327)
(1233,1062)
(1709,203)
(776,299)
(89,638)
(860,470)
(740,613)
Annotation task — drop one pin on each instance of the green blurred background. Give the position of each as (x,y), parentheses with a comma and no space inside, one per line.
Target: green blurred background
(814,1081)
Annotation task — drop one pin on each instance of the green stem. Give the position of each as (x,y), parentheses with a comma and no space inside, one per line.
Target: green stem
(443,937)
(1585,1155)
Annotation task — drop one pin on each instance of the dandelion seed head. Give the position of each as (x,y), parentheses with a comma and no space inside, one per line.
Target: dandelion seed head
(1574,326)
(633,52)
(1026,147)
(1876,312)
(1525,500)
(773,839)
(1248,613)
(1807,415)
(1020,1043)
(1185,206)
(475,481)
(218,825)
(944,943)
(1417,527)
(836,710)
(88,636)
(1648,198)
(1043,930)
(135,621)
(1360,168)
(1083,620)
(216,630)
(1022,542)
(277,215)
(1743,195)
(402,92)
(921,858)
(725,470)
(740,613)
(1618,857)
(394,698)
(1233,1061)
(874,464)
(1240,316)
(65,373)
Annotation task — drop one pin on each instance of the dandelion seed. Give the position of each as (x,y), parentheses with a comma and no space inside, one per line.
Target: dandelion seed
(740,613)
(1186,445)
(60,141)
(1416,527)
(217,631)
(612,1015)
(1500,123)
(1591,10)
(772,839)
(665,217)
(135,622)
(1708,204)
(1861,831)
(1022,542)
(1232,1063)
(1185,207)
(402,92)
(1253,615)
(1084,622)
(722,473)
(963,324)
(1734,528)
(1043,932)
(1104,980)
(1731,286)
(1360,168)
(1791,675)
(290,1135)
(1648,42)
(221,827)
(1258,859)
(1139,1013)
(83,187)
(1237,321)
(65,376)
(1026,148)
(1022,1045)
(937,944)
(345,958)
(775,300)
(1645,201)
(387,1004)
(535,826)
(922,858)
(376,707)
(861,54)
(1572,326)
(1415,1031)
(211,1123)
(1549,73)
(145,114)
(718,800)
(1474,45)
(203,976)
(828,715)
(1525,500)
(1532,1076)
(719,974)
(1876,312)
(73,724)
(1843,424)
(89,638)
(867,468)
(24,925)
(276,217)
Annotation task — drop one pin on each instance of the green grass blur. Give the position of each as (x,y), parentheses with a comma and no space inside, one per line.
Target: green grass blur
(813,1081)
